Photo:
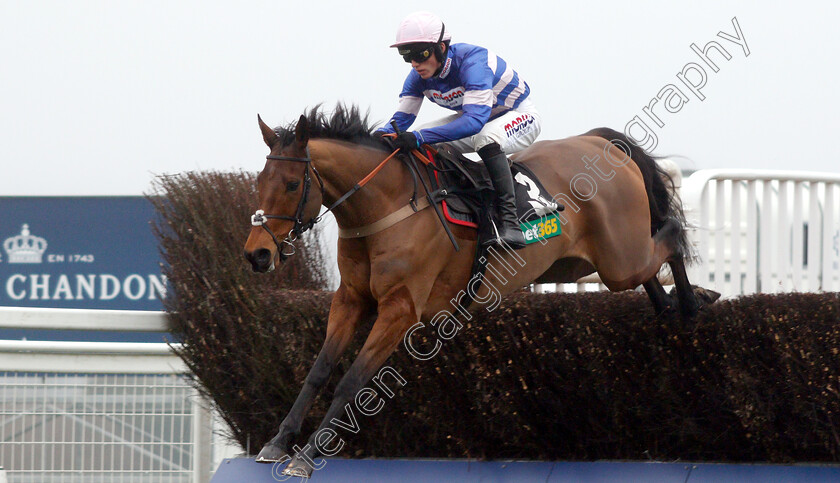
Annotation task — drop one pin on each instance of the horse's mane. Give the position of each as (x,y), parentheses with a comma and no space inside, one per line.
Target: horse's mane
(345,123)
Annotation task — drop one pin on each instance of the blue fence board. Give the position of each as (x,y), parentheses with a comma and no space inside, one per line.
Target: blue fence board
(707,473)
(410,471)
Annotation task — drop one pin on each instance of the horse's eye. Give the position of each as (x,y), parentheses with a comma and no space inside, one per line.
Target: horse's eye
(292,185)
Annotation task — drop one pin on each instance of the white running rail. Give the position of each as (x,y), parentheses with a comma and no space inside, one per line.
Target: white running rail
(101,411)
(756,231)
(764,231)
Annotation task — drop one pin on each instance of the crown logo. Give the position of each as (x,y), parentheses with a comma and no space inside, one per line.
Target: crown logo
(25,248)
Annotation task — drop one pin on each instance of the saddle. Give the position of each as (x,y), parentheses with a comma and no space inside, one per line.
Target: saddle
(466,195)
(468,198)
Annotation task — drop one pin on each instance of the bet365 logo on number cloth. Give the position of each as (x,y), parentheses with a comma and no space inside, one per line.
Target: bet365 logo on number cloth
(540,229)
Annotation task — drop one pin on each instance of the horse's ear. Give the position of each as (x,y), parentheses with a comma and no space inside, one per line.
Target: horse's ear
(302,131)
(269,136)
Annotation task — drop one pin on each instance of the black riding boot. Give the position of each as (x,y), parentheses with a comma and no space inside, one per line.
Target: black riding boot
(497,165)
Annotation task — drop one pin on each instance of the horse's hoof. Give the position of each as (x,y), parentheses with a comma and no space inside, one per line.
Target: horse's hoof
(298,467)
(706,295)
(272,454)
(702,296)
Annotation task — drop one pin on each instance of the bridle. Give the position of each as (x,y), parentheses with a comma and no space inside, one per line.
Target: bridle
(259,218)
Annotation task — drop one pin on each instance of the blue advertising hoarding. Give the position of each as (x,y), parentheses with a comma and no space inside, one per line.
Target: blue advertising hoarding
(79,252)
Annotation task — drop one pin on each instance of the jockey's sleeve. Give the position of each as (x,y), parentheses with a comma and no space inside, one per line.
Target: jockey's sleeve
(477,78)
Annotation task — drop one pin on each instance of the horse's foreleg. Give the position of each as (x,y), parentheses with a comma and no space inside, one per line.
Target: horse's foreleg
(396,315)
(345,312)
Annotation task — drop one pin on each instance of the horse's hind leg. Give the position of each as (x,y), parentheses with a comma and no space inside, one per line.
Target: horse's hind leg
(691,298)
(662,302)
(396,315)
(666,239)
(685,292)
(687,298)
(345,312)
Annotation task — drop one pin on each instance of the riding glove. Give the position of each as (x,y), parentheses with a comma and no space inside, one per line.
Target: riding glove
(406,141)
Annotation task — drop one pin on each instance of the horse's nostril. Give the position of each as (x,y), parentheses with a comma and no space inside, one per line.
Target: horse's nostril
(262,257)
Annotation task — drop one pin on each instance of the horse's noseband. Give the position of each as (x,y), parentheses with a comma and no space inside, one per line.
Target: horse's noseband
(259,218)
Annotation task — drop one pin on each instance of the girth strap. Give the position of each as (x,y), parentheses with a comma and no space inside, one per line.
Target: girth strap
(384,223)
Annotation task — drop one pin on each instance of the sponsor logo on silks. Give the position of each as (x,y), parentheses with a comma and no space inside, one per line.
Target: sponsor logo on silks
(446,67)
(518,124)
(540,229)
(25,248)
(454,97)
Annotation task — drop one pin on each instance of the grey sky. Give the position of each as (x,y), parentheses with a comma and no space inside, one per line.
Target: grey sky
(97,97)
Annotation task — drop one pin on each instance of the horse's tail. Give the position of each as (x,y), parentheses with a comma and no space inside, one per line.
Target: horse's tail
(662,198)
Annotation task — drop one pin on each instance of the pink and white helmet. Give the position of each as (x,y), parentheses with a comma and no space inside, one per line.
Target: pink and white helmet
(421,27)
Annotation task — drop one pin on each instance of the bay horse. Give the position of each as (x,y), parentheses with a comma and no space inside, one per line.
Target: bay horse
(620,220)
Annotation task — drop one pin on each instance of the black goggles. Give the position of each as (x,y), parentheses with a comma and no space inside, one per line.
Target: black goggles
(416,55)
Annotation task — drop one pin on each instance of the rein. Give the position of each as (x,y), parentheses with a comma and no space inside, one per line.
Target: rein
(259,218)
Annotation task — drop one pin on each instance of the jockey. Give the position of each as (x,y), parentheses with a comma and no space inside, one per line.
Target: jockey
(494,116)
